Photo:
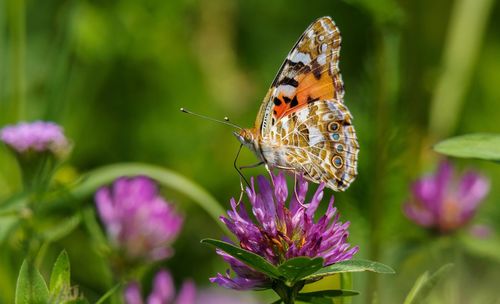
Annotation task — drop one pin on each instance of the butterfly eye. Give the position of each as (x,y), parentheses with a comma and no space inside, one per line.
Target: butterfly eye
(333,126)
(337,162)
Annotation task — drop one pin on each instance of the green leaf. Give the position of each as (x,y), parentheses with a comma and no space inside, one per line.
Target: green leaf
(479,145)
(297,268)
(60,276)
(109,293)
(31,287)
(325,296)
(249,258)
(351,266)
(485,248)
(96,233)
(425,283)
(62,229)
(14,204)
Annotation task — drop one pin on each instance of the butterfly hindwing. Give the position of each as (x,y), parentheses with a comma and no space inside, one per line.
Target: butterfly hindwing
(319,141)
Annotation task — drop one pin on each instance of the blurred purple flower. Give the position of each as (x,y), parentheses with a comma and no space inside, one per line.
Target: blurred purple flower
(481,231)
(281,233)
(138,220)
(442,203)
(38,136)
(163,291)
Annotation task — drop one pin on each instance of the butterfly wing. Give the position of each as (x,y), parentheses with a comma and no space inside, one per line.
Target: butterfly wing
(309,73)
(319,141)
(304,125)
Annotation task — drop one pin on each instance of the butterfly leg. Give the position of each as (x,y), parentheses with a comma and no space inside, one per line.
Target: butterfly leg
(295,191)
(252,166)
(238,169)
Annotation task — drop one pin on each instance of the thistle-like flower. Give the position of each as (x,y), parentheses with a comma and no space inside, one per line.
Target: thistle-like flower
(38,136)
(163,291)
(38,146)
(280,232)
(444,202)
(138,221)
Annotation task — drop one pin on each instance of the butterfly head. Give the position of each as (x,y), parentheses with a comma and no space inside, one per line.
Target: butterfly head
(247,138)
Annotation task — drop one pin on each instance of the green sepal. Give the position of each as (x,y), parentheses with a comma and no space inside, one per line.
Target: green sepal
(248,258)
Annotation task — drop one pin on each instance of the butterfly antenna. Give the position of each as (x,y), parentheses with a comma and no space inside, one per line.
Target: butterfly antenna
(225,121)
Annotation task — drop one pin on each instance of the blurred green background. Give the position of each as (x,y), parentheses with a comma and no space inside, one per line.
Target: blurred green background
(115,73)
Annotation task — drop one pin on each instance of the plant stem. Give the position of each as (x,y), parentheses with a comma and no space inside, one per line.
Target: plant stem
(467,22)
(17,20)
(287,293)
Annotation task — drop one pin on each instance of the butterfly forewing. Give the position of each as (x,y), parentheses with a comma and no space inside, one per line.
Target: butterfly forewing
(309,73)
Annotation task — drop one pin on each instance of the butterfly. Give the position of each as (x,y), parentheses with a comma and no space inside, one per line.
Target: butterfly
(303,125)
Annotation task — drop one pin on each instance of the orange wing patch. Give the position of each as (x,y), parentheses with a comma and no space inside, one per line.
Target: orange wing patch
(310,72)
(310,89)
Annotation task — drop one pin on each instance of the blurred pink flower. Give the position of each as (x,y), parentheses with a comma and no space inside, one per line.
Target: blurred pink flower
(443,203)
(163,291)
(38,136)
(138,220)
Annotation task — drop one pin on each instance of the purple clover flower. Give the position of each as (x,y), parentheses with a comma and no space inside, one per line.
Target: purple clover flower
(280,232)
(38,136)
(444,203)
(163,291)
(138,220)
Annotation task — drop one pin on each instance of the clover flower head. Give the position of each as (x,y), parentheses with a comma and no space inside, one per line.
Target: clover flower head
(37,136)
(163,291)
(444,202)
(281,231)
(137,219)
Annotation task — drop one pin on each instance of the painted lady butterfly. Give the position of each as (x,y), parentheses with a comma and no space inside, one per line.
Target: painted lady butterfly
(303,125)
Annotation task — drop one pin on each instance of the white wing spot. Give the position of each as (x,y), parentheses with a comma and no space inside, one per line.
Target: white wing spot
(286,89)
(303,114)
(302,57)
(321,59)
(324,47)
(315,136)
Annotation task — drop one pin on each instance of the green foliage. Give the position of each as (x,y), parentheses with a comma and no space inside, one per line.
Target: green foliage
(31,287)
(60,276)
(325,296)
(298,268)
(351,266)
(249,258)
(480,146)
(425,283)
(298,271)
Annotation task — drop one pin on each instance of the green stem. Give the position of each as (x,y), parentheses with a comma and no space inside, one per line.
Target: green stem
(287,293)
(17,20)
(465,32)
